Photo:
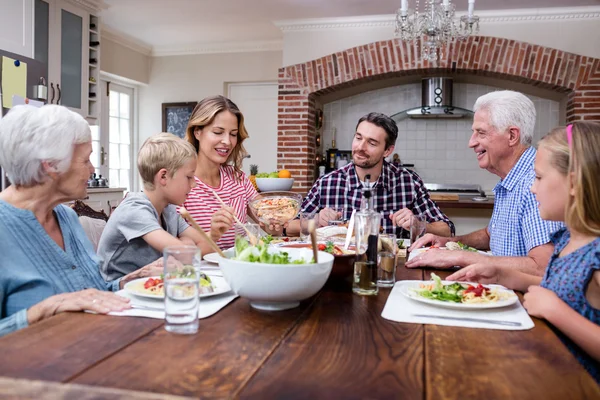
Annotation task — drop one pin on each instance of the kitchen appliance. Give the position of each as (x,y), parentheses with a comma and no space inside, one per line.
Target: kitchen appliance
(436,102)
(473,192)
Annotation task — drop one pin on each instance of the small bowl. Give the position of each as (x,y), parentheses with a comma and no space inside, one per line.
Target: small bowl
(264,207)
(274,287)
(274,184)
(343,266)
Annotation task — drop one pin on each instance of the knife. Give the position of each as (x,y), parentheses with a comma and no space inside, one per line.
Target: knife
(350,231)
(487,321)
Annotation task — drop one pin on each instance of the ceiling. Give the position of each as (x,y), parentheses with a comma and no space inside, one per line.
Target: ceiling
(176,23)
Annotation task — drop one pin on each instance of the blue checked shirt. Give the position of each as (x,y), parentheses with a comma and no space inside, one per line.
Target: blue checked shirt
(395,189)
(516,226)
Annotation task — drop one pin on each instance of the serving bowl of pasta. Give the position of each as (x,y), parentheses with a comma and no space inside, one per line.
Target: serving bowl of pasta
(275,208)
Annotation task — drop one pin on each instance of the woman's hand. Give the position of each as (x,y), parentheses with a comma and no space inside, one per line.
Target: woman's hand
(88,299)
(221,222)
(541,302)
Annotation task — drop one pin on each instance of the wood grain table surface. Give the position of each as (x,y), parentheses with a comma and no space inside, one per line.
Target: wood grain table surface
(335,345)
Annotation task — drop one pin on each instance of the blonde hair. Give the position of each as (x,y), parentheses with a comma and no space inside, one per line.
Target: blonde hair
(163,150)
(579,162)
(204,114)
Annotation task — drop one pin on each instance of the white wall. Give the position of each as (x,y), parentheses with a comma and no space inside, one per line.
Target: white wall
(119,60)
(193,77)
(439,148)
(575,33)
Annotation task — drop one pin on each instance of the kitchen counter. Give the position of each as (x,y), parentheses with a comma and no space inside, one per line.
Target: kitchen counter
(466,202)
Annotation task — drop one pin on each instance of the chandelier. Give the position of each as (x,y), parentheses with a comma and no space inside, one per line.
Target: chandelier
(435,26)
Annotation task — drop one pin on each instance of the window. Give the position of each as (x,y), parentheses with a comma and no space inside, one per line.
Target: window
(111,145)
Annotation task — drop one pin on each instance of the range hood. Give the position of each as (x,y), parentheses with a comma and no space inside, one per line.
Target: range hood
(436,102)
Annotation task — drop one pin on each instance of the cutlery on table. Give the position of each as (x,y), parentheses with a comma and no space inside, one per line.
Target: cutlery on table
(350,231)
(185,214)
(469,319)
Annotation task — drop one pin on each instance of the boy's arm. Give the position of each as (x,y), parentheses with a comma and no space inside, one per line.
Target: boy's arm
(159,239)
(193,237)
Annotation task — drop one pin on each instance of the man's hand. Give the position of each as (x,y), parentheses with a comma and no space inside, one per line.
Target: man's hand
(431,240)
(402,218)
(326,215)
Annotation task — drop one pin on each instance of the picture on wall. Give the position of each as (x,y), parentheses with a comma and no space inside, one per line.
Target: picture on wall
(175,117)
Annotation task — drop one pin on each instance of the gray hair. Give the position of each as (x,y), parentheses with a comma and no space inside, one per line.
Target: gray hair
(509,108)
(30,135)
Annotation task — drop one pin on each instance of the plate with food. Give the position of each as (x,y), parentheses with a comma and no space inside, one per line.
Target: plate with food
(452,246)
(460,295)
(153,287)
(212,258)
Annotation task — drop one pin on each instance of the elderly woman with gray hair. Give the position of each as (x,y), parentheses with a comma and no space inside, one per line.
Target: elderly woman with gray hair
(48,265)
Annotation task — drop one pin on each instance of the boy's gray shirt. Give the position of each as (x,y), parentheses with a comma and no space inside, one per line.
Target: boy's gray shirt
(121,248)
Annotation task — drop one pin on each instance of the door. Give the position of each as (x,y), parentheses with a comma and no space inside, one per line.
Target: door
(113,153)
(70,48)
(258,104)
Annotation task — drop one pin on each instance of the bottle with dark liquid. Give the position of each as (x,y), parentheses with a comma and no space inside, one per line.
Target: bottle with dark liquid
(366,233)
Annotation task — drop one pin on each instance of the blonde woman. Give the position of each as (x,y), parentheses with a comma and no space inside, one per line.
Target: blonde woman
(216,130)
(566,186)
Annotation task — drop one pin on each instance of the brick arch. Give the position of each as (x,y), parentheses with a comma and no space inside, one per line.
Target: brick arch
(301,85)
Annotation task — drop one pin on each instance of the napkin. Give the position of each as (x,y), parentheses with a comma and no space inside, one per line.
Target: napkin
(400,308)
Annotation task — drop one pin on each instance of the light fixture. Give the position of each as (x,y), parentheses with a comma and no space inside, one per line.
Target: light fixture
(435,25)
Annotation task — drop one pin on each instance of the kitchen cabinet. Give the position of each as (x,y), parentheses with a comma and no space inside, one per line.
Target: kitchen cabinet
(16,22)
(104,199)
(66,38)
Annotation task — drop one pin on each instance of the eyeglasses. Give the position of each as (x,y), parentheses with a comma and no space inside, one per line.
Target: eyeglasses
(569,134)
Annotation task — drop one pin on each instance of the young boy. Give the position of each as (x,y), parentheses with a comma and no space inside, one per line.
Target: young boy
(147,222)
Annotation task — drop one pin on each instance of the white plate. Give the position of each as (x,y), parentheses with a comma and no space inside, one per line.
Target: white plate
(406,286)
(219,282)
(212,258)
(420,250)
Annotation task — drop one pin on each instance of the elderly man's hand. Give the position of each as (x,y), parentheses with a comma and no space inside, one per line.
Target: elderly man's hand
(436,258)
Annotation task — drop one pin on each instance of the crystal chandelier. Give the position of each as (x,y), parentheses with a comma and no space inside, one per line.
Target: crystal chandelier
(435,26)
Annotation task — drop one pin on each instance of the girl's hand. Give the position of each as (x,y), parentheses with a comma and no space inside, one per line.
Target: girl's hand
(221,222)
(540,302)
(481,273)
(88,299)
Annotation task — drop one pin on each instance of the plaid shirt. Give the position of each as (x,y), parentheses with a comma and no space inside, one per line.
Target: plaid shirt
(395,189)
(516,226)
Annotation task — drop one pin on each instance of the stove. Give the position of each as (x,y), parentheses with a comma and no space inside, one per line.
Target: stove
(456,188)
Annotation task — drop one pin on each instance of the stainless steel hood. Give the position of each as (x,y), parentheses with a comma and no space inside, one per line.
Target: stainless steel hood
(436,102)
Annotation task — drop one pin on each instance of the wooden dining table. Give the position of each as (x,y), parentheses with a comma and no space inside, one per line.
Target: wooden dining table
(336,345)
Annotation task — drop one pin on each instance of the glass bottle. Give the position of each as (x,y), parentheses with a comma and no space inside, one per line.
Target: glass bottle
(366,233)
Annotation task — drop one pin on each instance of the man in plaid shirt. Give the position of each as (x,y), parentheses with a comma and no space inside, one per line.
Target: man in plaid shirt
(397,193)
(502,137)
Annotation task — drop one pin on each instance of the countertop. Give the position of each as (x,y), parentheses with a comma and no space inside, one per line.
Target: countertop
(467,202)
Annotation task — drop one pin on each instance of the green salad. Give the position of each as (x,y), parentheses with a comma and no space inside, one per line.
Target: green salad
(436,290)
(459,246)
(260,254)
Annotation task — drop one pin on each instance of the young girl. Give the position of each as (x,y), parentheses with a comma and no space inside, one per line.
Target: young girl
(567,168)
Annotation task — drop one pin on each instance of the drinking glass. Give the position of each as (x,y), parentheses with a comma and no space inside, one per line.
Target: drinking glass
(181,283)
(386,260)
(418,226)
(305,217)
(252,228)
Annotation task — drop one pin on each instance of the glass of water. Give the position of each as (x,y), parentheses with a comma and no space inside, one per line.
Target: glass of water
(386,260)
(181,283)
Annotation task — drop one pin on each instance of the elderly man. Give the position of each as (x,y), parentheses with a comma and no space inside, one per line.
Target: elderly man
(502,137)
(398,193)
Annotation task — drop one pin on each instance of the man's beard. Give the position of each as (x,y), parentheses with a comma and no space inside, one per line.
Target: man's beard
(366,163)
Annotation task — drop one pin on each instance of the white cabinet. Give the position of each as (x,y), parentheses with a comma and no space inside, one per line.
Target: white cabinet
(104,199)
(16,23)
(62,41)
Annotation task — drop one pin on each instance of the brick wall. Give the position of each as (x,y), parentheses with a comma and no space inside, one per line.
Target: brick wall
(301,85)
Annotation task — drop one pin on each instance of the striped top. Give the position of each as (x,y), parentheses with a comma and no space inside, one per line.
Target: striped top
(516,226)
(202,204)
(33,267)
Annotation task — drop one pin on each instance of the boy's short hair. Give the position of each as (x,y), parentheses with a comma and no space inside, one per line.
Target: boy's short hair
(163,150)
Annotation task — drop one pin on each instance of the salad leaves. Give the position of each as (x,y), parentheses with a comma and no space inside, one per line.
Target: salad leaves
(260,254)
(439,291)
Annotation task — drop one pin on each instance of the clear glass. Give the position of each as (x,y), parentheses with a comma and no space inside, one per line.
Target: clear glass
(305,217)
(418,226)
(182,279)
(386,260)
(246,230)
(70,59)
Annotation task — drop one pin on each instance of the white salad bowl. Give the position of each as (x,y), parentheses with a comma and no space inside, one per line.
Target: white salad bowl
(274,184)
(275,287)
